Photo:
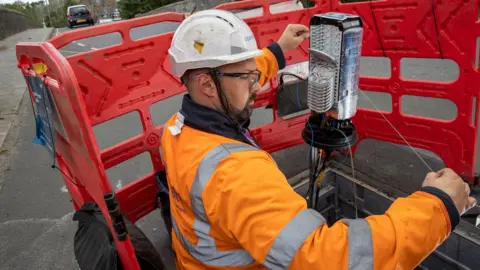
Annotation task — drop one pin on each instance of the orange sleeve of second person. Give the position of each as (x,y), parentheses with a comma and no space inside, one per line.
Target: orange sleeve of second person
(259,209)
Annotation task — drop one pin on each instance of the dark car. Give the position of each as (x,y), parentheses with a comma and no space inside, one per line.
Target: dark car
(79,15)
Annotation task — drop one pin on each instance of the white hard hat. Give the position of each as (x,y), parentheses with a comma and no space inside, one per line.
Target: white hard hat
(209,39)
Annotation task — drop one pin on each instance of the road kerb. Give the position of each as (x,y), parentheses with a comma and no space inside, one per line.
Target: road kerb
(16,85)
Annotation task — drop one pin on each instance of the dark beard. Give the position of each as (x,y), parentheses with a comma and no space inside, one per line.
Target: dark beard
(244,115)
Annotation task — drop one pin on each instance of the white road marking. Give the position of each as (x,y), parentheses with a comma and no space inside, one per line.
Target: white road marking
(93,48)
(67,51)
(64,189)
(119,184)
(28,220)
(81,44)
(41,246)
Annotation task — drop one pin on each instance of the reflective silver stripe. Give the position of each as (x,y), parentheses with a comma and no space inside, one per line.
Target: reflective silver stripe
(205,170)
(291,238)
(206,250)
(360,244)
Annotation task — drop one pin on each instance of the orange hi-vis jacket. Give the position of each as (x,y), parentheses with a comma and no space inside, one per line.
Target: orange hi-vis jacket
(232,208)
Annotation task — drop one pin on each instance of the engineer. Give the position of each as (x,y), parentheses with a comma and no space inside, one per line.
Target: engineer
(231,206)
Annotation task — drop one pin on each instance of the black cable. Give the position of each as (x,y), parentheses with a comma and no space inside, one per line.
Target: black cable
(324,166)
(436,28)
(313,179)
(194,8)
(281,81)
(67,176)
(48,117)
(33,106)
(281,87)
(54,165)
(316,166)
(376,28)
(316,172)
(31,99)
(313,175)
(290,74)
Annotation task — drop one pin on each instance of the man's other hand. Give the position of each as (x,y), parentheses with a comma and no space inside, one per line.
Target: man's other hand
(293,35)
(449,182)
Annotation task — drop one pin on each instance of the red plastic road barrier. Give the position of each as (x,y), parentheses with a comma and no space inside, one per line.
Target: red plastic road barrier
(407,29)
(77,152)
(97,86)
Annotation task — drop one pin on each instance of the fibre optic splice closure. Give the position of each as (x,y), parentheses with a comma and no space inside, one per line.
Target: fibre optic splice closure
(335,50)
(333,80)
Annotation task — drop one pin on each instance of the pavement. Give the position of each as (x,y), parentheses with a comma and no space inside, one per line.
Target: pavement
(36,227)
(13,84)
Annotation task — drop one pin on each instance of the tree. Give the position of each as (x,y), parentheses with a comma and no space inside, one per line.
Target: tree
(129,8)
(69,3)
(31,10)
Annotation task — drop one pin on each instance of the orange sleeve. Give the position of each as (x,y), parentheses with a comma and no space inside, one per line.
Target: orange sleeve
(409,231)
(267,64)
(257,207)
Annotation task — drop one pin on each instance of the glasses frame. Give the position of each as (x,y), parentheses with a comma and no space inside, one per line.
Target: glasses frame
(239,75)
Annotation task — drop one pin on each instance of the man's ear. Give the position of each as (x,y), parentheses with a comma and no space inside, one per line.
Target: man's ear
(206,85)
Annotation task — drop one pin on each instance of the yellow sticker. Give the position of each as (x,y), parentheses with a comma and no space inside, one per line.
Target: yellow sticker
(39,68)
(198,45)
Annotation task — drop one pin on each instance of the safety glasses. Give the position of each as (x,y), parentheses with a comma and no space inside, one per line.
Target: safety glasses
(251,77)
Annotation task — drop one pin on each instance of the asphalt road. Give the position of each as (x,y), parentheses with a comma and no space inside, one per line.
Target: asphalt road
(36,229)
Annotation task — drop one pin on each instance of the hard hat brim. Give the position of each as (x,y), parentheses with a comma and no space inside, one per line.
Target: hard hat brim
(230,59)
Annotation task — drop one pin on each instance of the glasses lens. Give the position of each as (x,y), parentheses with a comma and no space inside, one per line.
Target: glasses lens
(254,78)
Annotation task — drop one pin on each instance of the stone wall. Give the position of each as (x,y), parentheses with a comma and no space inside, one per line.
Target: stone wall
(186,6)
(12,22)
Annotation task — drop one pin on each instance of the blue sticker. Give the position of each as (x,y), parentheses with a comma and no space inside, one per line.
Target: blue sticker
(248,38)
(46,114)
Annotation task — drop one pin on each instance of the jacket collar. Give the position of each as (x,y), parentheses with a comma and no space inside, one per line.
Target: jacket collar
(212,121)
